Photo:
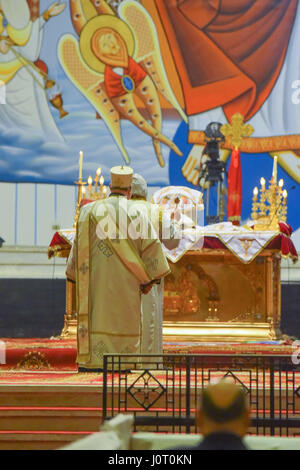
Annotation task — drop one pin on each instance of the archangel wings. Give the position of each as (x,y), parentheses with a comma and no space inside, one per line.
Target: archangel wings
(147,50)
(91,85)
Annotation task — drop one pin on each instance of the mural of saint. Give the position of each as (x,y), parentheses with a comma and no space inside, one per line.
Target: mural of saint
(116,61)
(238,57)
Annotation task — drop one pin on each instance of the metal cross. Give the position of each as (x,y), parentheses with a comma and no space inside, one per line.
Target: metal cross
(237,130)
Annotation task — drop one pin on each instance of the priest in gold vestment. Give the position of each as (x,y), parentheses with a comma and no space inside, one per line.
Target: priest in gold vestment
(114,263)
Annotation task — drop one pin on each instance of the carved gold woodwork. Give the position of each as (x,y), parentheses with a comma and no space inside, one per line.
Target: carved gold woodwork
(211,295)
(221,298)
(70,319)
(182,296)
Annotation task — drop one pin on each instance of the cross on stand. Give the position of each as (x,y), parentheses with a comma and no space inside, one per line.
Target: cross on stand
(237,130)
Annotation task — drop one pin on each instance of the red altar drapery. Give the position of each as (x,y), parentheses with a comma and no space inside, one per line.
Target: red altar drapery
(234,200)
(227,53)
(282,242)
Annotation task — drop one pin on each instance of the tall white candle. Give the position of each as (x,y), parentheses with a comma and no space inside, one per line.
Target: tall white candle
(80,164)
(274,175)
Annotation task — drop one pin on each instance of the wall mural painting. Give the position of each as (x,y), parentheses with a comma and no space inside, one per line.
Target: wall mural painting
(139,81)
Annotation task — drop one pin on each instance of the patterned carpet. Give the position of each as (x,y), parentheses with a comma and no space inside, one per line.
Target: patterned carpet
(59,355)
(163,376)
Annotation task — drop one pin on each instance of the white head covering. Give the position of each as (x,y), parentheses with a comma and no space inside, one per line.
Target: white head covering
(16,12)
(139,186)
(121,177)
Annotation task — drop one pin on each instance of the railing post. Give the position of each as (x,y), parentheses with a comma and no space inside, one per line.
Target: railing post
(272,397)
(104,397)
(188,393)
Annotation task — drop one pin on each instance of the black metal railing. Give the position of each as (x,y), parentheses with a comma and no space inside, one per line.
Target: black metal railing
(162,392)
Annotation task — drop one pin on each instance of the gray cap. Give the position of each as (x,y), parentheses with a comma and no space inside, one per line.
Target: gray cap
(139,186)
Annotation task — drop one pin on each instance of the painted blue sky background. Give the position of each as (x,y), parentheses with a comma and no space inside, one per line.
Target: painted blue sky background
(24,158)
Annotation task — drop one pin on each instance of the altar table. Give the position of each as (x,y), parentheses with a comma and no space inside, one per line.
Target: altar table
(211,294)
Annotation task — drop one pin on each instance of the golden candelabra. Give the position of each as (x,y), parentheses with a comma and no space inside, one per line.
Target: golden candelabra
(80,185)
(99,191)
(93,193)
(270,206)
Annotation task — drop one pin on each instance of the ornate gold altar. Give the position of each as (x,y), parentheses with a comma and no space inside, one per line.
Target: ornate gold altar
(212,296)
(227,288)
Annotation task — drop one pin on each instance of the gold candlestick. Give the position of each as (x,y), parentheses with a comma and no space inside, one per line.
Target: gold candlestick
(274,173)
(80,185)
(80,165)
(263,197)
(101,186)
(90,185)
(283,208)
(254,213)
(272,206)
(97,177)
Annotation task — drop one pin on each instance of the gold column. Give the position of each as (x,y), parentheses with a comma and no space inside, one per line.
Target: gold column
(70,319)
(270,302)
(277,291)
(273,295)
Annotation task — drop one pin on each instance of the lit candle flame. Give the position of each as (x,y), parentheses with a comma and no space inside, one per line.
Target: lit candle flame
(280,183)
(263,182)
(284,194)
(90,183)
(255,191)
(98,172)
(102,180)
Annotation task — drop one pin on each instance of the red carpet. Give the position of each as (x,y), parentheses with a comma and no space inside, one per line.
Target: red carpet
(96,379)
(40,354)
(60,354)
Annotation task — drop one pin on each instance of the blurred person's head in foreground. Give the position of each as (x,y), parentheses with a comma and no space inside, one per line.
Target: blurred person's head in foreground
(223,408)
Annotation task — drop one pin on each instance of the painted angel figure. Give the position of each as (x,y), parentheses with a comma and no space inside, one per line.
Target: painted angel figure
(116,59)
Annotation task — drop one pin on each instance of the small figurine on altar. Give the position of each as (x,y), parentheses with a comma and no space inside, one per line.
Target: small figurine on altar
(191,302)
(172,298)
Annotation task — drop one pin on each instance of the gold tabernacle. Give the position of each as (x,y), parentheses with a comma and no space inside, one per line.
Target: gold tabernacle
(212,296)
(199,305)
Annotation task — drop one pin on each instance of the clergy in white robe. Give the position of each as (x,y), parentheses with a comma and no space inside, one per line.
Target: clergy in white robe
(153,302)
(114,264)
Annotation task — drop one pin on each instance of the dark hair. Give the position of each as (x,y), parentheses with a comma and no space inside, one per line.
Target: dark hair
(118,188)
(221,415)
(138,198)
